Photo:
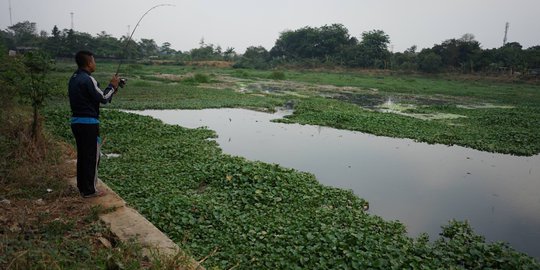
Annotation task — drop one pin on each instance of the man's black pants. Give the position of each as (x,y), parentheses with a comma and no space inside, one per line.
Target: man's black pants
(86,136)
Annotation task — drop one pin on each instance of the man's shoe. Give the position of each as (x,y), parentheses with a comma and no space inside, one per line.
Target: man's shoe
(95,194)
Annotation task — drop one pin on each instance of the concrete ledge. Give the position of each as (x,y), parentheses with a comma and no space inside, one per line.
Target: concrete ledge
(126,223)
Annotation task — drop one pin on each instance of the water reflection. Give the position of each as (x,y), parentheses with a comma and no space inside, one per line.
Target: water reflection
(421,185)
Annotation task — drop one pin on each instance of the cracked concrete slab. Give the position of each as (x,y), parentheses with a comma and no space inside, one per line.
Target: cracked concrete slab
(127,224)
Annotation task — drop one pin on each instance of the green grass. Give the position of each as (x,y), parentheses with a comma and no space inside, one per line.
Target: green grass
(483,90)
(65,234)
(479,89)
(186,96)
(511,131)
(503,130)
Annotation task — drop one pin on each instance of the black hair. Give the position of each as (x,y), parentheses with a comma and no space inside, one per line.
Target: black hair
(82,58)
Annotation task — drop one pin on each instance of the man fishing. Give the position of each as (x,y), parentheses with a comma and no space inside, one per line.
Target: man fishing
(85,97)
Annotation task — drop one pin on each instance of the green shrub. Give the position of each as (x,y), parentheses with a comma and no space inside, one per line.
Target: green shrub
(197,78)
(241,73)
(277,75)
(134,67)
(201,78)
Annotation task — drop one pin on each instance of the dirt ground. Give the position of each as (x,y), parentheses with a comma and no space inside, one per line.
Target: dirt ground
(60,229)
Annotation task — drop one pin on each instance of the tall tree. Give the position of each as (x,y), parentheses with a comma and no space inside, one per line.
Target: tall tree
(332,40)
(254,57)
(12,78)
(229,54)
(322,43)
(148,47)
(166,49)
(354,56)
(205,52)
(488,61)
(71,45)
(429,61)
(7,40)
(129,49)
(38,85)
(532,56)
(105,45)
(406,60)
(459,54)
(511,55)
(24,33)
(296,44)
(375,47)
(54,44)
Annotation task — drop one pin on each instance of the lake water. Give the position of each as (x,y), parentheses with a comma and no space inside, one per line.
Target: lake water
(419,184)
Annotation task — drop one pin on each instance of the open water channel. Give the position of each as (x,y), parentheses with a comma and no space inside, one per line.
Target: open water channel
(419,184)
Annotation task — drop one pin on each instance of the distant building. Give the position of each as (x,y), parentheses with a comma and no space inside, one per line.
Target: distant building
(23,50)
(534,71)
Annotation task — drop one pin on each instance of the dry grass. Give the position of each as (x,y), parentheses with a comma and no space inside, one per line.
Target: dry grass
(218,64)
(32,165)
(44,223)
(65,233)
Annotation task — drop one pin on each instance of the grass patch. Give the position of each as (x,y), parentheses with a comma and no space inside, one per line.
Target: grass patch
(64,233)
(31,167)
(185,96)
(479,89)
(255,215)
(277,75)
(44,223)
(491,129)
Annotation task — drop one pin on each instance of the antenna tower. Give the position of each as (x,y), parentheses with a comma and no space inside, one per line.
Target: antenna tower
(10,20)
(71,20)
(506,32)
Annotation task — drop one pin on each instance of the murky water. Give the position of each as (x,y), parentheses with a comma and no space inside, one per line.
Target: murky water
(421,185)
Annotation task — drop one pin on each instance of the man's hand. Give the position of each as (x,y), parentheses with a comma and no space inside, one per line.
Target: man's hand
(114,81)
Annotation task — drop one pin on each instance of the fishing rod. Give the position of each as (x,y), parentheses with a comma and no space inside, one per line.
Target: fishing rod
(132,32)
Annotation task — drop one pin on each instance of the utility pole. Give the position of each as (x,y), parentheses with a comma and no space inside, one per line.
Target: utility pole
(71,20)
(506,33)
(129,30)
(10,20)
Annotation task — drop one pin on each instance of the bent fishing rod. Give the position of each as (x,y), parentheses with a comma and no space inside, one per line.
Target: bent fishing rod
(132,32)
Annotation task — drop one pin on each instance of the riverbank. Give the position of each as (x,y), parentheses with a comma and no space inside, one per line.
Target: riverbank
(251,214)
(256,215)
(44,222)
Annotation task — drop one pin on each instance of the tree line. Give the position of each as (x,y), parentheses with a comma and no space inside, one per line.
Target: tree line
(328,45)
(23,36)
(334,46)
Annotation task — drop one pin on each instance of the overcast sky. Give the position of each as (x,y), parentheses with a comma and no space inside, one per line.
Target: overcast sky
(243,23)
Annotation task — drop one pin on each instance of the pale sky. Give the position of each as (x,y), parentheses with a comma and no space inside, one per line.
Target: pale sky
(243,23)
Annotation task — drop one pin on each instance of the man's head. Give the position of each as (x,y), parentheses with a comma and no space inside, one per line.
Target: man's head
(85,60)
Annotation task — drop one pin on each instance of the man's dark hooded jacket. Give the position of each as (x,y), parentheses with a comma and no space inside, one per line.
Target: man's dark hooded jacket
(85,95)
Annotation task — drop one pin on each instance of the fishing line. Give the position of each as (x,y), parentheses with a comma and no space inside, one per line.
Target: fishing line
(132,32)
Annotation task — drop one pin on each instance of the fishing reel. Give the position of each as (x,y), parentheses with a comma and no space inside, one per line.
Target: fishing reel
(122,82)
